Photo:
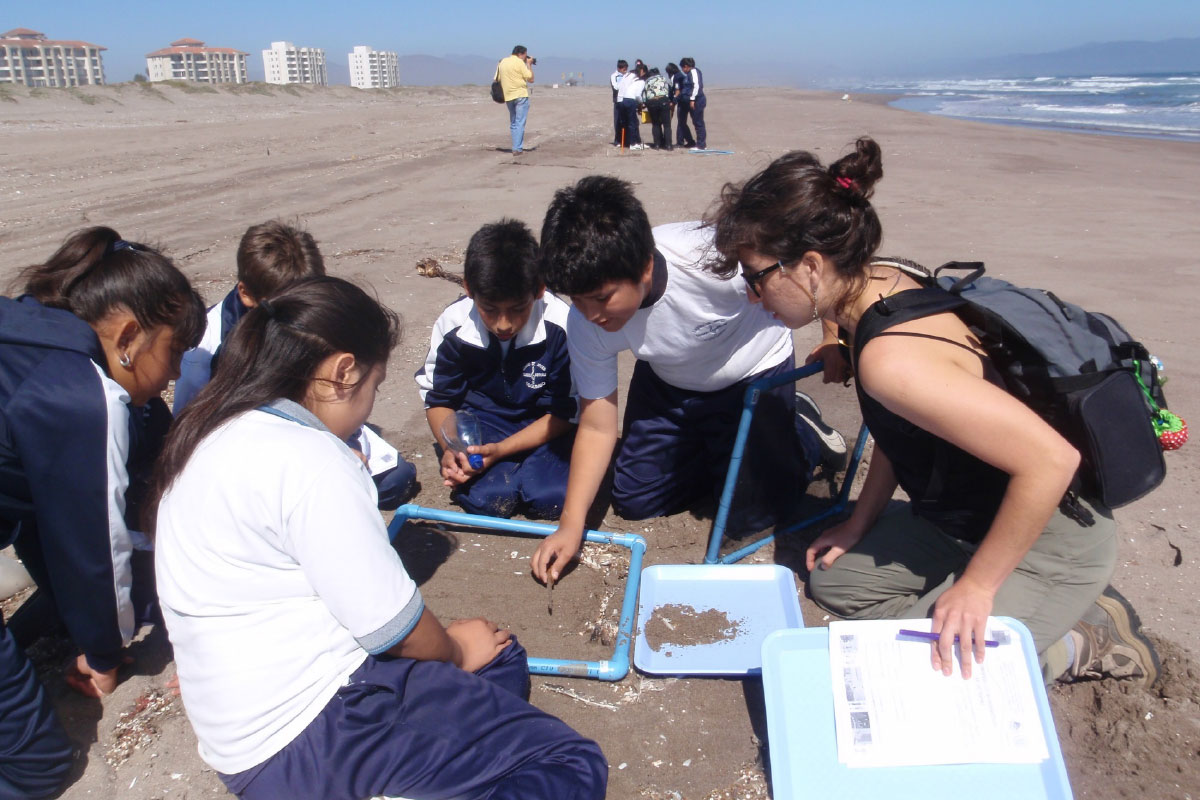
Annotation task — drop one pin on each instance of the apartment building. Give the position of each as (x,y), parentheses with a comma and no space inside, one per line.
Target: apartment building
(28,57)
(190,60)
(373,69)
(286,63)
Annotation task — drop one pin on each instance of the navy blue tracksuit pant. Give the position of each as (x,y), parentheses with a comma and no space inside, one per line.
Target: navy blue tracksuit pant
(683,134)
(677,444)
(427,729)
(35,754)
(660,123)
(697,106)
(533,483)
(631,122)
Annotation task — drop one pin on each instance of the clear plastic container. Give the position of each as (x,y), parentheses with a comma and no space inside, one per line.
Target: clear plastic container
(461,430)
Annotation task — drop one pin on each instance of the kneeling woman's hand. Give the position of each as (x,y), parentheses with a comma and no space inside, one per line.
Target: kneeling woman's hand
(478,642)
(962,611)
(830,545)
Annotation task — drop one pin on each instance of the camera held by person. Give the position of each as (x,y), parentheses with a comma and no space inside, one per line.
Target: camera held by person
(530,60)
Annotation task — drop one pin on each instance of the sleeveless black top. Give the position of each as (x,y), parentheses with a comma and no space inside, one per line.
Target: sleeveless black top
(948,486)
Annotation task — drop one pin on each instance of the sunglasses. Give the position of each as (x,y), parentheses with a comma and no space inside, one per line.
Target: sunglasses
(753,279)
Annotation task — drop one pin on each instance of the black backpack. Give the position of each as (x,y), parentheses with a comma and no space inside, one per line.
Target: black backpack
(656,90)
(497,89)
(1079,370)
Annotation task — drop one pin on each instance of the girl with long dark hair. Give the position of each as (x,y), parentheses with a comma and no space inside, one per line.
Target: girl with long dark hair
(297,630)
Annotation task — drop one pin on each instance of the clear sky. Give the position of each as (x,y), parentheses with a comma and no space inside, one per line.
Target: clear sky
(849,35)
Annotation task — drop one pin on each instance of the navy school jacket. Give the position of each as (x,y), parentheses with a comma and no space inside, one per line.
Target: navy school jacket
(199,362)
(64,443)
(466,367)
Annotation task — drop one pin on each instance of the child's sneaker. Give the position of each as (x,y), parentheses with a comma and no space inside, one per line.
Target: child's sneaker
(1109,643)
(832,443)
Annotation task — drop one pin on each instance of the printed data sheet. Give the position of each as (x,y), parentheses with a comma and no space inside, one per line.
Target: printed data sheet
(893,709)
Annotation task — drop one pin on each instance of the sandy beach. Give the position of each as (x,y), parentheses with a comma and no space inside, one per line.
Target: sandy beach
(385,179)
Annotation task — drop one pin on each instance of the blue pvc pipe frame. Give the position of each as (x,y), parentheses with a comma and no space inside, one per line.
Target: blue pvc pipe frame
(615,668)
(753,391)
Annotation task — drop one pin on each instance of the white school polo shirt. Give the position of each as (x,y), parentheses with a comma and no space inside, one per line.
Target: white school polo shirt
(702,334)
(276,579)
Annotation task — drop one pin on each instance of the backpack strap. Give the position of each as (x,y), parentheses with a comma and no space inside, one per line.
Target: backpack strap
(975,268)
(890,311)
(906,306)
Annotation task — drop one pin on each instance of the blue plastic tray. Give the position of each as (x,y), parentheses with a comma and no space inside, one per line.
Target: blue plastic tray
(804,759)
(761,598)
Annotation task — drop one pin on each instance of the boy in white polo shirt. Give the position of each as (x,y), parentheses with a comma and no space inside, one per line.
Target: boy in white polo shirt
(698,344)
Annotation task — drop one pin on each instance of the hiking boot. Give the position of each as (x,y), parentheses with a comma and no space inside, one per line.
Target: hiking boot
(832,444)
(1109,643)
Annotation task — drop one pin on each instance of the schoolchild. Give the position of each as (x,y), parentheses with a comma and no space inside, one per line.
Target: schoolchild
(683,103)
(656,98)
(614,80)
(296,629)
(693,90)
(271,255)
(501,354)
(698,344)
(675,86)
(96,336)
(630,94)
(983,532)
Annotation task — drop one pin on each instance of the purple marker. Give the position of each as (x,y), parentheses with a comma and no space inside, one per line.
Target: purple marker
(934,637)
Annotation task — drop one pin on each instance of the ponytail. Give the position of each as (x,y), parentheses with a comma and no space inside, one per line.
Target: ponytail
(859,171)
(796,205)
(96,272)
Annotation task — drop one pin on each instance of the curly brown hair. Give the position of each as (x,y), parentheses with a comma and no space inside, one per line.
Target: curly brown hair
(796,205)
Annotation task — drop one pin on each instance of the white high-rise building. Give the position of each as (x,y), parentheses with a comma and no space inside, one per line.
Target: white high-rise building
(286,63)
(190,60)
(28,57)
(373,69)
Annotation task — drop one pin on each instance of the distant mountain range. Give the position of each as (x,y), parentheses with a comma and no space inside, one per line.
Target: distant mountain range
(1097,58)
(1172,55)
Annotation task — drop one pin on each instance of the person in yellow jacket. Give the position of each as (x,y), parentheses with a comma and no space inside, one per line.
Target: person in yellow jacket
(515,73)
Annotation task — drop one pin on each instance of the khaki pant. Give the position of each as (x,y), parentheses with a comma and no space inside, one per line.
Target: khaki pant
(904,563)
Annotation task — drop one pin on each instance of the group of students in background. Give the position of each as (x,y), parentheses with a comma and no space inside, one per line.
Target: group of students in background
(679,94)
(296,628)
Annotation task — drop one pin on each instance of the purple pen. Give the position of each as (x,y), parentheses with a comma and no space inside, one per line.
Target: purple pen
(934,637)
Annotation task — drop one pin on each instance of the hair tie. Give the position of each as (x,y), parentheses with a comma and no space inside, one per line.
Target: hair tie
(844,182)
(267,308)
(119,245)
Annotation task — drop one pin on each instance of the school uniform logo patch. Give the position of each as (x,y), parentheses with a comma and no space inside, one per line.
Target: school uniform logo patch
(535,375)
(710,330)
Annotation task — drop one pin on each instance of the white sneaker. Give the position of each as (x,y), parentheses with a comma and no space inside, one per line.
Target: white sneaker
(638,147)
(833,444)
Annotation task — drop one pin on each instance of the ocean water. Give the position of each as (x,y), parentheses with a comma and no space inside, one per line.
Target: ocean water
(1163,106)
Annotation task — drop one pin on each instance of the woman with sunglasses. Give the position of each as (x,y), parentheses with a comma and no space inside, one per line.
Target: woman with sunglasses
(983,533)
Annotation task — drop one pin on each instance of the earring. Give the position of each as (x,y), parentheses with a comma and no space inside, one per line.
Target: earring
(125,361)
(815,314)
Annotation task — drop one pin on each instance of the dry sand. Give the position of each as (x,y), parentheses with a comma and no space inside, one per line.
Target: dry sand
(386,179)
